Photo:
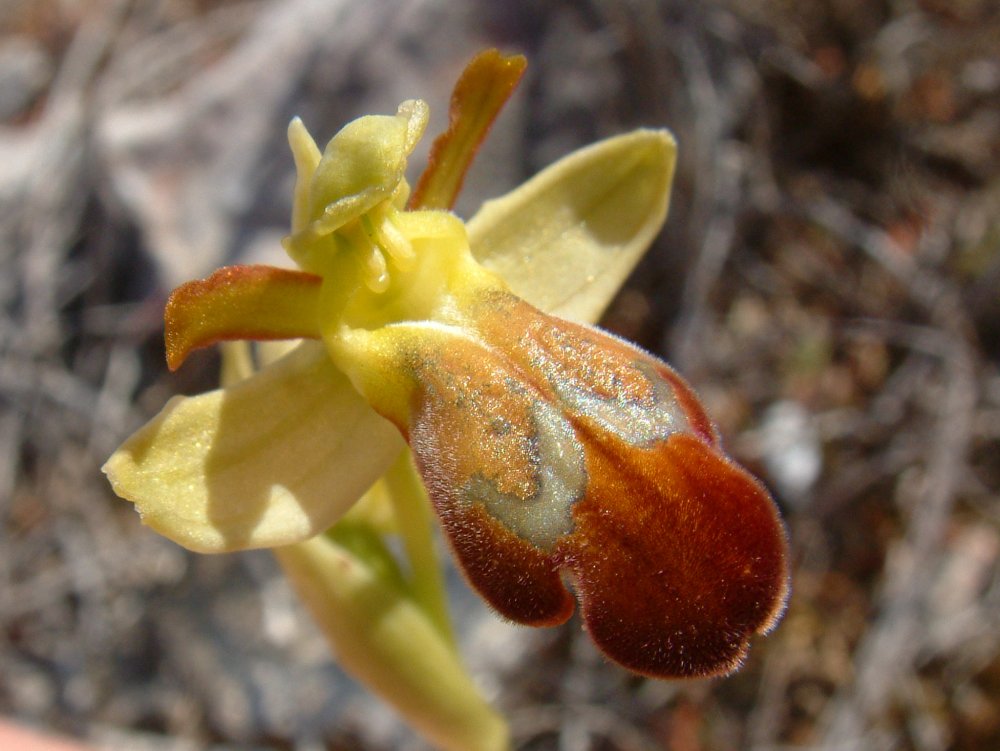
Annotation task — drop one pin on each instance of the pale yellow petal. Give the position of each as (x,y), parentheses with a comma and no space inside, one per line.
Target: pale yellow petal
(566,240)
(271,460)
(387,642)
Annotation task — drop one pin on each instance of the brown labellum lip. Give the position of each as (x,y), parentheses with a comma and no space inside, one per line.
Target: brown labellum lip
(464,393)
(676,554)
(679,558)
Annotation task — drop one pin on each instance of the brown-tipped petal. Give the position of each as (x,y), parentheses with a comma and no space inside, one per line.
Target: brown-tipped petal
(503,470)
(678,557)
(241,302)
(481,92)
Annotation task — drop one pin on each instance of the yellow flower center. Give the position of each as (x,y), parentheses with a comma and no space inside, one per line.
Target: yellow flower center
(379,263)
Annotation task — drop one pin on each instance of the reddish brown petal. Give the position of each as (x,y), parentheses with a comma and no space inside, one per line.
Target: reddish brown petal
(677,554)
(678,557)
(475,434)
(481,92)
(240,302)
(520,581)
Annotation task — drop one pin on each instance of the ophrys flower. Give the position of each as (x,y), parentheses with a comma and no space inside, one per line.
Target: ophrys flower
(557,457)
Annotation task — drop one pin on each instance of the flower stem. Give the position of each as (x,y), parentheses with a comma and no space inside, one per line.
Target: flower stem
(385,639)
(412,509)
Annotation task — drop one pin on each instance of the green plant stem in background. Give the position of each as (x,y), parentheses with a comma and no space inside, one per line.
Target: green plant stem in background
(412,509)
(386,640)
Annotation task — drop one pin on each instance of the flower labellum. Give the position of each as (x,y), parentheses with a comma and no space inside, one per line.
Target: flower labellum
(570,454)
(560,460)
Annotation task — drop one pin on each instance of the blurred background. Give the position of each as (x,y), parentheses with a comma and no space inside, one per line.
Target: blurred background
(828,279)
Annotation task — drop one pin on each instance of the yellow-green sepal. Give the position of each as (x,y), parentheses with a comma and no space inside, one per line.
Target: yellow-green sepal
(268,461)
(567,239)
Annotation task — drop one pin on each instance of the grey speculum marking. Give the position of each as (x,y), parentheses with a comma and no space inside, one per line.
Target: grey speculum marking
(560,473)
(638,422)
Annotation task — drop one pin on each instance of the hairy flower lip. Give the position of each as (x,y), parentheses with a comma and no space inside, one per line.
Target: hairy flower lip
(677,554)
(696,600)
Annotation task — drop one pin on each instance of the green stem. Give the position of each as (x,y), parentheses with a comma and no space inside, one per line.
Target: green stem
(412,508)
(385,639)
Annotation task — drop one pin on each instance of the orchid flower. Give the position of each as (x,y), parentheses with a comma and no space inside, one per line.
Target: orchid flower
(565,465)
